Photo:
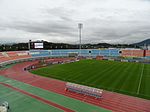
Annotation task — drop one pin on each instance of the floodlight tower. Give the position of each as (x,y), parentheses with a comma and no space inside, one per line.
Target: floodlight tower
(80,26)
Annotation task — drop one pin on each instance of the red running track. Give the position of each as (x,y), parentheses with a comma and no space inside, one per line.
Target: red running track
(38,98)
(113,101)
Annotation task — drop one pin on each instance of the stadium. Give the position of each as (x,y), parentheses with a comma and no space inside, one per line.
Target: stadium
(74,56)
(83,80)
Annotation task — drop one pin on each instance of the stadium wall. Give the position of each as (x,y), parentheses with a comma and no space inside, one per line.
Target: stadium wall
(132,53)
(13,55)
(83,52)
(40,53)
(147,53)
(106,54)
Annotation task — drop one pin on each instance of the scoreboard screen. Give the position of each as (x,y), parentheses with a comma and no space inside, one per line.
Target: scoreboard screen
(38,45)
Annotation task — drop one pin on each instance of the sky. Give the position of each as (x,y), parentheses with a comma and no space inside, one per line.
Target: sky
(110,21)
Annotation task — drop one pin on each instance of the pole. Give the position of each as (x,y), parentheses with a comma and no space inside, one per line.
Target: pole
(80,26)
(29,44)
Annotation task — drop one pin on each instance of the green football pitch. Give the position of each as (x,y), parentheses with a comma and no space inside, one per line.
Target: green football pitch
(123,77)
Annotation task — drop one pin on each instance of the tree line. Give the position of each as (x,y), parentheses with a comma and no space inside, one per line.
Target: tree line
(50,45)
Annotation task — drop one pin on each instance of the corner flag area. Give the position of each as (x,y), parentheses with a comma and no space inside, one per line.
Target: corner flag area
(26,98)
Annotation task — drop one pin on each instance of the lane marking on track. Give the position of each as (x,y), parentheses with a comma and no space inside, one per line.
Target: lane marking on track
(38,98)
(139,86)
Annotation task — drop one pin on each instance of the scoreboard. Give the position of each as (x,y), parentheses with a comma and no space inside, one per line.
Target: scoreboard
(36,45)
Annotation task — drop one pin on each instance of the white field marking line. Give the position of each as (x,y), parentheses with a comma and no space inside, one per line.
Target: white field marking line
(140,79)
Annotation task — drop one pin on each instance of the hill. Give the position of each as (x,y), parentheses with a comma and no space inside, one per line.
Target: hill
(144,42)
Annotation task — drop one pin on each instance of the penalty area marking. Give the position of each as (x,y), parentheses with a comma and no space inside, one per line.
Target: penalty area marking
(140,79)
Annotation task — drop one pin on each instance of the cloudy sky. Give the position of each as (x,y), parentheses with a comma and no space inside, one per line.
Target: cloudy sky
(113,21)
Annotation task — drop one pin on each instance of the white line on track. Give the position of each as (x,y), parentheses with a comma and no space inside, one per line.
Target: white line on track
(139,86)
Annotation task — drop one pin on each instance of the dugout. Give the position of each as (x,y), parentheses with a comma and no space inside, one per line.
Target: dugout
(85,90)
